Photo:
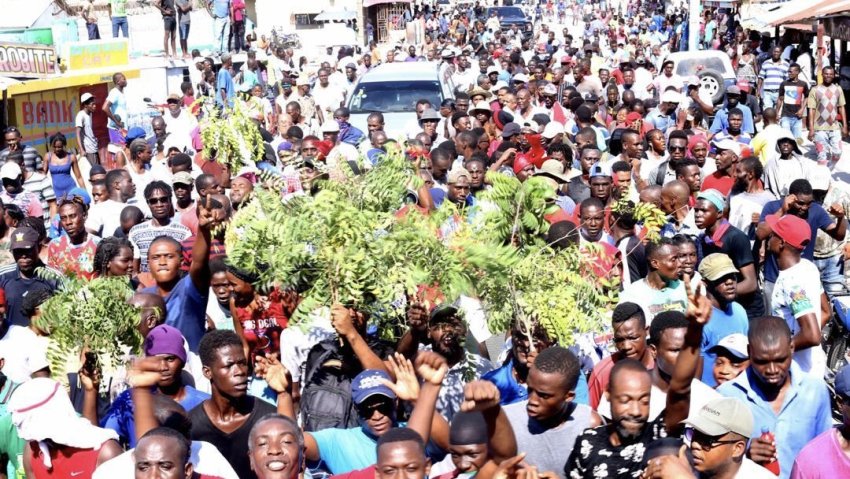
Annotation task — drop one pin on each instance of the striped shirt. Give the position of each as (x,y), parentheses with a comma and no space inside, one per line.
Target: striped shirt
(773,74)
(143,234)
(42,187)
(32,159)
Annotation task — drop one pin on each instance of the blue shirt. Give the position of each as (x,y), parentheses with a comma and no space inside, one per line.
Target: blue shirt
(221,8)
(16,288)
(817,218)
(186,308)
(224,81)
(721,120)
(805,412)
(661,121)
(120,415)
(723,323)
(345,450)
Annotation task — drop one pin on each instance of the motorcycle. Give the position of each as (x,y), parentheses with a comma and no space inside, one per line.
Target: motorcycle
(836,339)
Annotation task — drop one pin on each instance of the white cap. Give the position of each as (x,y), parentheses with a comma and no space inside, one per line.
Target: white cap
(521,77)
(728,144)
(86,97)
(10,170)
(552,129)
(492,69)
(330,126)
(671,97)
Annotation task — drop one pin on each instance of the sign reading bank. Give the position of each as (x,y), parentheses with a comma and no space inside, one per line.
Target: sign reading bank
(27,61)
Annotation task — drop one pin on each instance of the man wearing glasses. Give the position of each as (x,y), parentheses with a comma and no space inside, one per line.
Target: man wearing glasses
(158,198)
(12,140)
(717,435)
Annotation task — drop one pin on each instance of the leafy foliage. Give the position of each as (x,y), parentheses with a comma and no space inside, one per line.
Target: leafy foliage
(652,218)
(350,244)
(232,138)
(90,314)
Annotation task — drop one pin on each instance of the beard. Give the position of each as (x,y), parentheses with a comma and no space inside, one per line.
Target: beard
(626,434)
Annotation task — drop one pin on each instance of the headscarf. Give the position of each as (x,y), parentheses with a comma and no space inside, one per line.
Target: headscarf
(521,162)
(694,141)
(41,410)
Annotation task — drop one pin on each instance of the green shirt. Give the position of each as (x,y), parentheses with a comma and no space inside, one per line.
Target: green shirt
(119,8)
(11,446)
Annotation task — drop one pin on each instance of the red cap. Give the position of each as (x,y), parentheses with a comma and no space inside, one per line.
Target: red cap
(521,162)
(744,85)
(793,230)
(633,117)
(566,59)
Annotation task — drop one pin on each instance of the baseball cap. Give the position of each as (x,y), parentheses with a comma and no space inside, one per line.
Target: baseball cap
(601,169)
(183,178)
(165,339)
(302,80)
(716,266)
(793,230)
(671,97)
(733,90)
(521,77)
(86,97)
(842,381)
(728,144)
(173,98)
(455,174)
(553,129)
(743,85)
(715,197)
(481,106)
(330,126)
(550,89)
(135,133)
(492,69)
(10,171)
(510,130)
(24,238)
(693,81)
(735,343)
(721,416)
(370,383)
(351,65)
(820,177)
(81,192)
(443,312)
(566,59)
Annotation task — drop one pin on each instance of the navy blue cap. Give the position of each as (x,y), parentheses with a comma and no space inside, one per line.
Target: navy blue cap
(368,383)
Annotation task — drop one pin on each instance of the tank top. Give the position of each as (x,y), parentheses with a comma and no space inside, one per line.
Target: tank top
(68,462)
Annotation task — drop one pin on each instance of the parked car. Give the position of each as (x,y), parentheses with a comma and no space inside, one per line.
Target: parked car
(394,88)
(712,67)
(509,16)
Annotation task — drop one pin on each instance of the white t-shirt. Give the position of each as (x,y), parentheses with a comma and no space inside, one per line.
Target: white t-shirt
(205,459)
(654,301)
(83,121)
(180,128)
(104,218)
(797,293)
(141,181)
(23,352)
(118,107)
(743,205)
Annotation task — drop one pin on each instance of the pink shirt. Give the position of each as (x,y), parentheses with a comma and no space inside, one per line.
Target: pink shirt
(822,458)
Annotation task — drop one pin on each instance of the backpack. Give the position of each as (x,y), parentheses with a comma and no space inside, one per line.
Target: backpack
(326,397)
(661,173)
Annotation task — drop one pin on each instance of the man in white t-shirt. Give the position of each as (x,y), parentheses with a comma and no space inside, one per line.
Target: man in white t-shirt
(86,141)
(328,96)
(115,108)
(105,217)
(798,291)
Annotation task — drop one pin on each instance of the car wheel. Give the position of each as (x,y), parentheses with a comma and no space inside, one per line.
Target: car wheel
(711,83)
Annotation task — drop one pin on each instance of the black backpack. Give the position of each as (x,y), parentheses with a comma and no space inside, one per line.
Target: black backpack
(326,397)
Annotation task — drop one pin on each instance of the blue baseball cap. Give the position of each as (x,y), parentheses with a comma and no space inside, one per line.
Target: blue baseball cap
(135,133)
(601,169)
(81,193)
(368,384)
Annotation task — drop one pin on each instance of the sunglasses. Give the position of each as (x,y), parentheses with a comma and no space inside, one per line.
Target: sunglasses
(159,200)
(705,441)
(677,148)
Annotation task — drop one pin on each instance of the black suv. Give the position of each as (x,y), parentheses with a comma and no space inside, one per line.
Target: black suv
(509,16)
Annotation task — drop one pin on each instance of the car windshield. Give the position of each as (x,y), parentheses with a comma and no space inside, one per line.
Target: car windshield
(393,96)
(508,12)
(688,66)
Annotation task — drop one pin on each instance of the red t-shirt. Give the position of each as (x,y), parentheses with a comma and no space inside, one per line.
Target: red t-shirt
(69,258)
(601,374)
(66,462)
(719,182)
(261,327)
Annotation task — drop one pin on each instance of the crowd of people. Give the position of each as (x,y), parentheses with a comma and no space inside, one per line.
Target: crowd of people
(712,363)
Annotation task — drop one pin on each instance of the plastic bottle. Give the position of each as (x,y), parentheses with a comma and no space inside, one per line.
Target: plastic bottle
(772,466)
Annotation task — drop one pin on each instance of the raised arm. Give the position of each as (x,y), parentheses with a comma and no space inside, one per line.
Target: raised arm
(484,396)
(679,394)
(212,211)
(344,326)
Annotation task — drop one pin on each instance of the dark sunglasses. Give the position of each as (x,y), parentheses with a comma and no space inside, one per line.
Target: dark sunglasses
(677,148)
(159,200)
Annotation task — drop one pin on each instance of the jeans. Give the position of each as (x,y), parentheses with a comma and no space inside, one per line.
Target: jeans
(831,270)
(828,146)
(792,124)
(94,32)
(120,23)
(238,29)
(221,33)
(769,98)
(184,30)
